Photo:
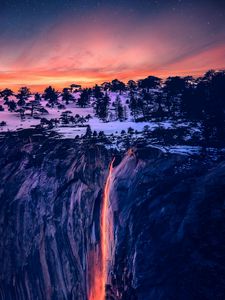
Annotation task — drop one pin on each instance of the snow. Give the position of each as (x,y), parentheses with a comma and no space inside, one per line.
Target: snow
(70,132)
(14,122)
(190,150)
(180,149)
(111,127)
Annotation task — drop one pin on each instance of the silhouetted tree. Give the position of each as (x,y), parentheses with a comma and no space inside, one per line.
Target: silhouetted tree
(67,96)
(6,93)
(214,106)
(97,93)
(174,87)
(3,123)
(11,105)
(119,109)
(23,94)
(192,103)
(132,84)
(204,102)
(21,112)
(51,95)
(117,86)
(88,133)
(106,86)
(159,113)
(37,97)
(65,117)
(83,101)
(102,107)
(133,105)
(151,82)
(75,87)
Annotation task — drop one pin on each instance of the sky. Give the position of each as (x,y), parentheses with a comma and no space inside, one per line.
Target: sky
(60,42)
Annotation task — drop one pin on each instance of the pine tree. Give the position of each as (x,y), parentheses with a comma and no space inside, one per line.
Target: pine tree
(88,133)
(125,114)
(119,109)
(11,105)
(97,92)
(37,97)
(6,93)
(151,82)
(51,95)
(83,101)
(133,106)
(132,84)
(23,95)
(67,96)
(102,107)
(117,86)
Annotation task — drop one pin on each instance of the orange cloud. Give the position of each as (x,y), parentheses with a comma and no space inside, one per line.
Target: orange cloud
(92,51)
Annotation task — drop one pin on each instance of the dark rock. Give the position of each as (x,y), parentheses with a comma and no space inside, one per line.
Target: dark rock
(168,212)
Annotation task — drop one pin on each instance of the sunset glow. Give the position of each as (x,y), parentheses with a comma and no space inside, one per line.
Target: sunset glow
(101,46)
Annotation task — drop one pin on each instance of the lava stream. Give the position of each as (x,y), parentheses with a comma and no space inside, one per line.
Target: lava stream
(100,260)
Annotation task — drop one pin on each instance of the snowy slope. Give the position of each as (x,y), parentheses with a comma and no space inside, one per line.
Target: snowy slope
(14,122)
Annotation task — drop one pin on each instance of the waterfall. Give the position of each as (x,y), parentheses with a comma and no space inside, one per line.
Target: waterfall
(102,254)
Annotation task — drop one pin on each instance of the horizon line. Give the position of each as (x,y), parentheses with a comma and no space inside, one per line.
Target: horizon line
(40,87)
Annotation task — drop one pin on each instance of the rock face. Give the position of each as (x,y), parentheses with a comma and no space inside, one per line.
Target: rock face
(50,195)
(168,214)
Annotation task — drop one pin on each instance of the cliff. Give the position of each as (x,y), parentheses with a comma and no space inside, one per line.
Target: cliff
(167,213)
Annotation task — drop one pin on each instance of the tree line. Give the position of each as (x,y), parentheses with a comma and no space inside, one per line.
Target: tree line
(178,98)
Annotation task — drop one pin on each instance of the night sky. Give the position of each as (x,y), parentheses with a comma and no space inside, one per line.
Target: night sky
(60,42)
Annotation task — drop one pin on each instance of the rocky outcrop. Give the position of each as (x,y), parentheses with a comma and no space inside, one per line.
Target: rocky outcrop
(50,195)
(169,216)
(167,211)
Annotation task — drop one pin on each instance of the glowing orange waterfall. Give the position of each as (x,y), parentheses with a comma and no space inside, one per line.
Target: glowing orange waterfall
(100,260)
